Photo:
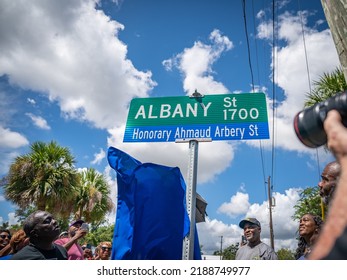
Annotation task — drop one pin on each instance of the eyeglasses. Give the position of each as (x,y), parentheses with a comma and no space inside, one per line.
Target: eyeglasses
(104,248)
(3,236)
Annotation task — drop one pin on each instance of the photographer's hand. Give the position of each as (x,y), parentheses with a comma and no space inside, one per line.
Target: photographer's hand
(337,216)
(337,135)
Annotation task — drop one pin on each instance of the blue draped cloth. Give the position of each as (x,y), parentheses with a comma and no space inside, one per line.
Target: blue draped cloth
(151,219)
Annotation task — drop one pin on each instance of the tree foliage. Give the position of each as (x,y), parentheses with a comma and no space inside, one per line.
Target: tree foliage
(99,234)
(46,179)
(285,254)
(229,253)
(328,85)
(93,200)
(309,202)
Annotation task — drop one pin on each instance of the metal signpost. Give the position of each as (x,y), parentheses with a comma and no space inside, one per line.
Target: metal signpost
(194,119)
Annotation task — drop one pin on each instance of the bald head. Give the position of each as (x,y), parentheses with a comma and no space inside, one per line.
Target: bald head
(328,181)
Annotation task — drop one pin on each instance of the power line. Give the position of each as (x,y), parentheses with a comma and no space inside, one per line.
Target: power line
(308,72)
(274,73)
(251,71)
(247,39)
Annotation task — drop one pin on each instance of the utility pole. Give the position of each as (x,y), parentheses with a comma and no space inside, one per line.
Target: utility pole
(335,13)
(270,211)
(221,247)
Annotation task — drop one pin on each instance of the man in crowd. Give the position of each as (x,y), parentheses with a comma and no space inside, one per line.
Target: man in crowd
(70,243)
(330,176)
(255,249)
(42,229)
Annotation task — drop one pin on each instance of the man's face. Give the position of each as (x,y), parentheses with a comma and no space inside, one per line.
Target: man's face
(46,226)
(74,228)
(251,232)
(327,184)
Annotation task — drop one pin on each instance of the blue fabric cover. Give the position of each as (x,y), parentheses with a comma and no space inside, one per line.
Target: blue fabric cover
(151,219)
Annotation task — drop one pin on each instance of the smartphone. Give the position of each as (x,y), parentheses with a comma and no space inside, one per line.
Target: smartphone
(84,227)
(243,240)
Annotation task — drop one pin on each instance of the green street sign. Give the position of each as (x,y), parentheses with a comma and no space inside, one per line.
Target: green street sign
(217,117)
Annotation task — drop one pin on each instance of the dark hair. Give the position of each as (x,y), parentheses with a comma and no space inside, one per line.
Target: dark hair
(6,230)
(300,251)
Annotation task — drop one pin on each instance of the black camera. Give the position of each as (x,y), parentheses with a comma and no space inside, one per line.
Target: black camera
(308,124)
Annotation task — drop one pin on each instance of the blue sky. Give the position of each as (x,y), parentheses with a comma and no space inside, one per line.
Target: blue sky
(69,69)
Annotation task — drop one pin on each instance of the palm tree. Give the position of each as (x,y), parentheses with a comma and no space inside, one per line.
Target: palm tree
(44,178)
(327,86)
(93,201)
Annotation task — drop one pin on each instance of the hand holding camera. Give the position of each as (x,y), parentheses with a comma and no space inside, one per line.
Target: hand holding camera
(309,123)
(337,135)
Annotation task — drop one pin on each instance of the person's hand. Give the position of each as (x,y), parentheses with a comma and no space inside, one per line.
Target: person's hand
(80,233)
(337,134)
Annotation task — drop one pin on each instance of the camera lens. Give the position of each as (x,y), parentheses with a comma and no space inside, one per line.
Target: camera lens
(308,124)
(309,128)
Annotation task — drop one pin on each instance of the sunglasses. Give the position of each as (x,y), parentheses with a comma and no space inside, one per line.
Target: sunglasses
(104,248)
(3,236)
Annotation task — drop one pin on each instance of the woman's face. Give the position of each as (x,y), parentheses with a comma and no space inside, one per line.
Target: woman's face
(105,252)
(307,226)
(4,239)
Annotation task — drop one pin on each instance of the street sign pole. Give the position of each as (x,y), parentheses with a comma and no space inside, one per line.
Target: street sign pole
(188,242)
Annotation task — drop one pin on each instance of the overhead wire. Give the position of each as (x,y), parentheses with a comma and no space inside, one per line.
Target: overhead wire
(274,98)
(257,65)
(251,71)
(308,73)
(247,39)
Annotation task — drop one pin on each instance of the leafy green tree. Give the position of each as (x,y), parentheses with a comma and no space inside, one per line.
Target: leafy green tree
(327,86)
(99,234)
(229,253)
(285,254)
(93,201)
(309,202)
(44,178)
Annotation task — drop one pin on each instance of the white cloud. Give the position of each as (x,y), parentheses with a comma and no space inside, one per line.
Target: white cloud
(285,229)
(98,157)
(63,37)
(6,160)
(213,158)
(291,73)
(39,121)
(12,220)
(238,204)
(31,101)
(195,64)
(11,139)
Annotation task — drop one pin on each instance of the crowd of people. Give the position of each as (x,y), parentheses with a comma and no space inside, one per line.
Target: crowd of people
(317,239)
(41,237)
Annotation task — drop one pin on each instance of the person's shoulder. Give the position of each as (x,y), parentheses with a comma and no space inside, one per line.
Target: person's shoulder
(27,253)
(61,241)
(264,245)
(269,251)
(61,251)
